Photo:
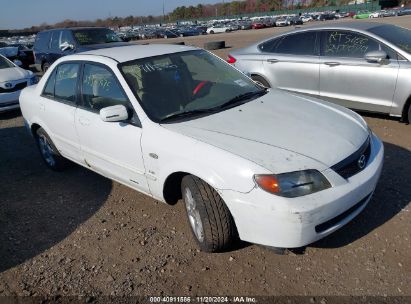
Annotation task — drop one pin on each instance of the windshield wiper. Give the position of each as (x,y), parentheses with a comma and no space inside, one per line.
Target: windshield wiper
(243,97)
(184,114)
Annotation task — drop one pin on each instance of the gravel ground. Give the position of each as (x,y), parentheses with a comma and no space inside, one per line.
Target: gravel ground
(78,233)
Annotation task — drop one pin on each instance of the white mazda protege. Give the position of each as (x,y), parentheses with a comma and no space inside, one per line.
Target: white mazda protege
(173,122)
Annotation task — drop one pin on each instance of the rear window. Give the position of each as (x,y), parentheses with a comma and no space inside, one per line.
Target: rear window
(95,36)
(297,44)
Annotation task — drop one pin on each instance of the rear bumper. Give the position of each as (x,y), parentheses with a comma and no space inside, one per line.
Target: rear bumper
(270,220)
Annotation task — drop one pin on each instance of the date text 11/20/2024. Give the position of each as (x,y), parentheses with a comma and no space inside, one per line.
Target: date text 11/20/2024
(205,299)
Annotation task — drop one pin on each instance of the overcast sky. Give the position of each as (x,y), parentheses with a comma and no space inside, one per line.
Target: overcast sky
(17,14)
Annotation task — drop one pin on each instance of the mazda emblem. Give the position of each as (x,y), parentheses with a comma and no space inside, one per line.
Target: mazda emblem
(361,162)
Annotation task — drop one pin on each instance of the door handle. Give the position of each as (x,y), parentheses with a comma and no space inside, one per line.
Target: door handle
(273,60)
(84,121)
(332,63)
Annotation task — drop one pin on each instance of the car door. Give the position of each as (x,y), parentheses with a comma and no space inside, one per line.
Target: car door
(348,79)
(58,102)
(291,62)
(55,51)
(111,148)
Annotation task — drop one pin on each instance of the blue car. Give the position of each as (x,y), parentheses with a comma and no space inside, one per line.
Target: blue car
(50,45)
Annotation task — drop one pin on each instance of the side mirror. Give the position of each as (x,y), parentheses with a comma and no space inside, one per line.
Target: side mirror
(376,56)
(114,113)
(66,46)
(18,62)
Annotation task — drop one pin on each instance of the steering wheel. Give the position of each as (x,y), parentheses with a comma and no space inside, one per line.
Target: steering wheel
(200,86)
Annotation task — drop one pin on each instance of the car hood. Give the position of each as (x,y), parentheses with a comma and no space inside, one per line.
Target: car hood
(11,74)
(282,132)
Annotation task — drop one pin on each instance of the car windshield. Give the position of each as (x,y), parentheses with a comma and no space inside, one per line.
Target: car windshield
(5,64)
(399,36)
(187,84)
(95,36)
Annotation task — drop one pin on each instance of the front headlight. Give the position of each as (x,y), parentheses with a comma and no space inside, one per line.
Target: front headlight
(293,184)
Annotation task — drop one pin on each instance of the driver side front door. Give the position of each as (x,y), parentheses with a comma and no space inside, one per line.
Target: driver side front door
(111,148)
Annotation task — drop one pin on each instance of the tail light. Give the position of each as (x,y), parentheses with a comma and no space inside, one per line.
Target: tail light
(231,59)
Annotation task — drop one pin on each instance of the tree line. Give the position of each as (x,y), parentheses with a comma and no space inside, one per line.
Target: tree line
(201,11)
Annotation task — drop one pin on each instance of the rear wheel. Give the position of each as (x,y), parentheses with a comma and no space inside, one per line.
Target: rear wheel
(210,220)
(49,152)
(260,81)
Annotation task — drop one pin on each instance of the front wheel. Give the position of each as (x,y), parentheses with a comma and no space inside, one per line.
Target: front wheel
(210,220)
(260,81)
(49,152)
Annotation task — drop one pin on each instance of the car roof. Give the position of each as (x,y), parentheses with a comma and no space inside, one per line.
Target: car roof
(75,28)
(137,51)
(348,25)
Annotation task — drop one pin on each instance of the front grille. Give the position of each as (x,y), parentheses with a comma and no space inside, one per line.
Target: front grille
(335,220)
(351,165)
(17,87)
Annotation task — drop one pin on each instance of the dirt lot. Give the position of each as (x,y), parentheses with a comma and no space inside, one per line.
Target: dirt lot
(77,233)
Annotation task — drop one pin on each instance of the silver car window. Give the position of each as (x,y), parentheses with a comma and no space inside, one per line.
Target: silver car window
(348,44)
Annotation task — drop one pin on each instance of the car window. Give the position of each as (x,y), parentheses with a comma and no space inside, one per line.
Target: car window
(66,82)
(49,88)
(95,36)
(297,44)
(349,44)
(42,40)
(269,46)
(184,82)
(55,40)
(401,37)
(66,38)
(5,64)
(101,89)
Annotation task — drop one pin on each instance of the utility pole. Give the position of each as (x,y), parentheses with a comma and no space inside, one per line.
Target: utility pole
(164,15)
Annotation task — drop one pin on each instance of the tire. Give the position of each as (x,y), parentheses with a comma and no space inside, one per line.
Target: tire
(49,152)
(214,45)
(45,67)
(211,32)
(260,81)
(210,220)
(409,113)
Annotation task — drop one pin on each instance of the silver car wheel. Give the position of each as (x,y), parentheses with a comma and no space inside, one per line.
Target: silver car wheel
(46,150)
(193,215)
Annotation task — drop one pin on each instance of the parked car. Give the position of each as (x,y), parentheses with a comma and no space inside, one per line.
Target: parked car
(25,55)
(325,17)
(306,18)
(245,25)
(364,66)
(53,44)
(218,28)
(178,122)
(404,12)
(281,22)
(257,25)
(362,15)
(389,13)
(12,80)
(294,21)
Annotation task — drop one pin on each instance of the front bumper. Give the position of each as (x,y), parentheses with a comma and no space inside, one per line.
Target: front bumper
(9,101)
(270,220)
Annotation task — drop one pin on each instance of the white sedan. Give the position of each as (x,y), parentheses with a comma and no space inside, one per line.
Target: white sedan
(220,28)
(173,122)
(12,80)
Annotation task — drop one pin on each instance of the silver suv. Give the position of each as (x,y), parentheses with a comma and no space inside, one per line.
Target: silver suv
(360,65)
